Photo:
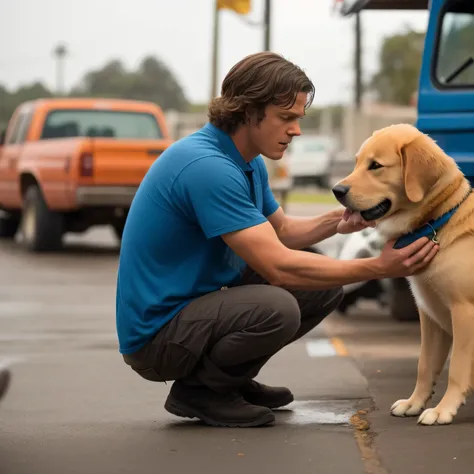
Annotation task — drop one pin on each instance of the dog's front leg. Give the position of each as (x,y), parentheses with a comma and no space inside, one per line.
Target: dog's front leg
(460,368)
(435,345)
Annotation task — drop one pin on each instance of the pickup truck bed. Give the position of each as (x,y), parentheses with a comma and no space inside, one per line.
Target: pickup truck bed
(69,164)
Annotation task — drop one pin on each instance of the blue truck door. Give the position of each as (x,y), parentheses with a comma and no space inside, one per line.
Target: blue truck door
(446,92)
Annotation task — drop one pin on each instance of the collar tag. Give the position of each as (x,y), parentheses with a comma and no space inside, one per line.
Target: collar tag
(434,237)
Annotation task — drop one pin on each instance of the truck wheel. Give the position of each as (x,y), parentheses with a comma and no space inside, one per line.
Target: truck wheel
(401,303)
(9,226)
(324,182)
(118,229)
(42,229)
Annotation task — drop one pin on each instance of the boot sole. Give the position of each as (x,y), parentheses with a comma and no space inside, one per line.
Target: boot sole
(185,411)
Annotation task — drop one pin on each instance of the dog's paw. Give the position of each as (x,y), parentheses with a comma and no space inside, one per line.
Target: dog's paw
(408,407)
(436,416)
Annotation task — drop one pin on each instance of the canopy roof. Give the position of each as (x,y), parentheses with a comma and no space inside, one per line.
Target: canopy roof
(352,6)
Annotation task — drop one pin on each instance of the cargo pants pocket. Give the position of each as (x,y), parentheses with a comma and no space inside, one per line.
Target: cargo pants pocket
(175,362)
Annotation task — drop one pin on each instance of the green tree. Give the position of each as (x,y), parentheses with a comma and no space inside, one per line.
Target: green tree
(152,81)
(9,101)
(109,81)
(156,81)
(399,67)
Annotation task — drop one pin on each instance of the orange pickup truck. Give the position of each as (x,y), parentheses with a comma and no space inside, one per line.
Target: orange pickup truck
(69,164)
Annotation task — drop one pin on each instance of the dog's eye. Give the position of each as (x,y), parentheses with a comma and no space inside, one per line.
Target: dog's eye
(375,166)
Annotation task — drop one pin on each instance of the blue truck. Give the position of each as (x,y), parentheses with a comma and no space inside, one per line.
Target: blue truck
(445,104)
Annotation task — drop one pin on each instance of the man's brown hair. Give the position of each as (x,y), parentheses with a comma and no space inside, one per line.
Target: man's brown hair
(255,82)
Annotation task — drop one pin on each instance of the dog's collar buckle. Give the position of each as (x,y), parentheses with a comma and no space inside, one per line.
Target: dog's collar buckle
(434,237)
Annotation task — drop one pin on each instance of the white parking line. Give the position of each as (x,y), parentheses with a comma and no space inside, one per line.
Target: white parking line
(320,348)
(325,347)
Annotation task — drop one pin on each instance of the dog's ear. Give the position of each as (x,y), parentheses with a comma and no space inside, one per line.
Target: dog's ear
(421,166)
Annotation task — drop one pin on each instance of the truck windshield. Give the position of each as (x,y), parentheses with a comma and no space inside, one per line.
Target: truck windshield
(455,58)
(66,123)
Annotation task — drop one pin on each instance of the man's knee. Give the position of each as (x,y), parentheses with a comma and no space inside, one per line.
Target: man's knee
(283,311)
(334,299)
(319,304)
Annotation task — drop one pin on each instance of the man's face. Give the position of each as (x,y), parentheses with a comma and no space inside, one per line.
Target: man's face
(273,134)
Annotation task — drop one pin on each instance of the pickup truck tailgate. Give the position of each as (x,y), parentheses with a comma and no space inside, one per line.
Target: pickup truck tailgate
(119,162)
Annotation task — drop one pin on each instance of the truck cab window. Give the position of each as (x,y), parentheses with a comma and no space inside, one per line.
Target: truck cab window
(115,124)
(455,54)
(13,136)
(25,122)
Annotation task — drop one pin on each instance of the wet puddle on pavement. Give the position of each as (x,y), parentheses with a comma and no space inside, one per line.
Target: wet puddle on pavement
(318,412)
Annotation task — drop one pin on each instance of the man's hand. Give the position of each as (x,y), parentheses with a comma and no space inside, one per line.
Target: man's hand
(395,263)
(352,222)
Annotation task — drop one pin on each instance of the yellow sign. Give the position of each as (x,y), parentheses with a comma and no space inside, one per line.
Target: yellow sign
(239,6)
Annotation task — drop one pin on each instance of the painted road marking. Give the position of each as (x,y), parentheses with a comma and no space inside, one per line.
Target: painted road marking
(325,347)
(339,346)
(320,348)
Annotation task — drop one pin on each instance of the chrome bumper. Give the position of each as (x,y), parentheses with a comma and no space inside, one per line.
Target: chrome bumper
(120,196)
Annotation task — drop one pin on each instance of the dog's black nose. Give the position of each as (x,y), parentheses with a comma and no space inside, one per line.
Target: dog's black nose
(340,191)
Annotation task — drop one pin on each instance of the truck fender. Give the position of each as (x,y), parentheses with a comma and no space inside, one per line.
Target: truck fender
(27,179)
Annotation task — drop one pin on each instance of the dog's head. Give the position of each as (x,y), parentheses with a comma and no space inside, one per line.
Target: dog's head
(396,168)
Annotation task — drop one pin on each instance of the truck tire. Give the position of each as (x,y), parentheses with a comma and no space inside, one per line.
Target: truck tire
(324,181)
(118,229)
(41,228)
(118,224)
(9,225)
(401,303)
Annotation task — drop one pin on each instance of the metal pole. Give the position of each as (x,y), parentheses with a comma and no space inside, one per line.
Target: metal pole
(215,50)
(60,53)
(267,24)
(358,62)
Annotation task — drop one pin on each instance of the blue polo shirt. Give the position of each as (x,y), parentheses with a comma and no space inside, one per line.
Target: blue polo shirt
(171,251)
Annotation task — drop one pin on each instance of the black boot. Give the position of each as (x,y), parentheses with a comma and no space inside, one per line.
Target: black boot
(263,395)
(215,409)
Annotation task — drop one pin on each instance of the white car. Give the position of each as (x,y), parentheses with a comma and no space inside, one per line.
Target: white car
(279,178)
(310,159)
(394,293)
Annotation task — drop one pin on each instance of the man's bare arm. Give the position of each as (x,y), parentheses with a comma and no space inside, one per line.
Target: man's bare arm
(300,232)
(261,248)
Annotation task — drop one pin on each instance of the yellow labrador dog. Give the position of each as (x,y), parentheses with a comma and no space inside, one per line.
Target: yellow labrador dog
(406,183)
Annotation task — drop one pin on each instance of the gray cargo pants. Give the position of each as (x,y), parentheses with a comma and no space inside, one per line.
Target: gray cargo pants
(225,337)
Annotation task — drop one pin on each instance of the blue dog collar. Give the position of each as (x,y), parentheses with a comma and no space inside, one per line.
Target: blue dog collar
(429,229)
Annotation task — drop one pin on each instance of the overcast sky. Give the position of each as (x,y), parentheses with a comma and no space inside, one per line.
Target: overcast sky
(180,33)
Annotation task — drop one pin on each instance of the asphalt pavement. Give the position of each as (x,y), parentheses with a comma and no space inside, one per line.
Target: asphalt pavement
(75,407)
(386,354)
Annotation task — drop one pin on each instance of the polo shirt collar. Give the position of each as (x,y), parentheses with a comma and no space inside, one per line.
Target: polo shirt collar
(228,146)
